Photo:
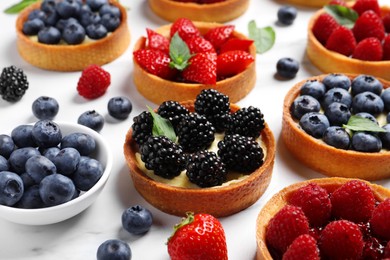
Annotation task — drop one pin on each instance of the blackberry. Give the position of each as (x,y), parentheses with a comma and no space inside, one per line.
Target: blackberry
(240,153)
(13,84)
(206,169)
(247,122)
(142,127)
(163,156)
(215,106)
(195,133)
(173,111)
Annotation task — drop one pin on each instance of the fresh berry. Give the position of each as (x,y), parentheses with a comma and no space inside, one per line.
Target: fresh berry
(338,114)
(247,122)
(304,104)
(38,167)
(67,161)
(373,249)
(93,82)
(368,25)
(199,236)
(11,188)
(46,133)
(51,152)
(385,136)
(386,22)
(95,5)
(342,41)
(31,198)
(32,27)
(137,220)
(157,41)
(366,142)
(110,9)
(368,116)
(68,8)
(4,165)
(199,44)
(336,95)
(142,127)
(219,35)
(7,145)
(73,33)
(88,17)
(386,98)
(323,27)
(314,124)
(22,136)
(56,189)
(360,6)
(233,62)
(386,47)
(363,83)
(87,174)
(336,80)
(49,35)
(386,252)
(17,159)
(379,221)
(110,21)
(113,249)
(303,247)
(91,119)
(96,31)
(367,102)
(236,44)
(155,62)
(173,111)
(287,14)
(314,88)
(202,68)
(337,136)
(185,28)
(287,68)
(62,23)
(82,142)
(13,84)
(119,107)
(45,107)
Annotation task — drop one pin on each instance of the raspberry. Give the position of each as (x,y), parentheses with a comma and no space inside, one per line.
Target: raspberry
(247,122)
(341,239)
(380,224)
(386,22)
(369,24)
(13,84)
(386,48)
(372,249)
(289,223)
(361,6)
(369,49)
(93,82)
(323,27)
(342,41)
(314,201)
(386,252)
(353,201)
(303,247)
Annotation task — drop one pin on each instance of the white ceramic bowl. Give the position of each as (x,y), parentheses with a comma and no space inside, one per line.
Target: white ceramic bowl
(55,214)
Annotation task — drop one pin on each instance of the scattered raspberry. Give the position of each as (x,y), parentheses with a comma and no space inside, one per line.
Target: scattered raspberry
(353,201)
(386,22)
(303,247)
(289,223)
(93,82)
(323,27)
(341,239)
(315,203)
(155,62)
(361,6)
(369,49)
(219,35)
(157,41)
(199,44)
(380,224)
(342,41)
(386,48)
(185,28)
(369,24)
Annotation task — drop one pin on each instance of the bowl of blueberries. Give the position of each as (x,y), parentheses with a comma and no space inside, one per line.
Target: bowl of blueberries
(51,171)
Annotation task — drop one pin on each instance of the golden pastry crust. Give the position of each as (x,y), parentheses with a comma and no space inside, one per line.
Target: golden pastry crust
(279,200)
(178,201)
(72,57)
(324,158)
(217,12)
(159,90)
(329,61)
(308,3)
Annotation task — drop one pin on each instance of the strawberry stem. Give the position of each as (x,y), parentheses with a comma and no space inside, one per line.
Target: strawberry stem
(185,221)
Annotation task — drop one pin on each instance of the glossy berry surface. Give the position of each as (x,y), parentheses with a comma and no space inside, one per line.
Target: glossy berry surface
(365,142)
(313,88)
(49,35)
(46,133)
(91,119)
(336,95)
(13,83)
(38,167)
(45,107)
(7,145)
(314,124)
(287,68)
(336,80)
(337,136)
(22,136)
(73,33)
(82,142)
(363,83)
(113,249)
(11,188)
(56,189)
(338,114)
(119,107)
(67,161)
(93,82)
(18,158)
(137,220)
(87,174)
(304,104)
(287,14)
(367,102)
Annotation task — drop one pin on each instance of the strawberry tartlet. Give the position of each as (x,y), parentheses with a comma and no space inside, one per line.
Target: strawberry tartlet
(312,3)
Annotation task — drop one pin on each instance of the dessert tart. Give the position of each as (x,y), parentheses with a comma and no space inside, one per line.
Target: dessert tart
(219,12)
(327,159)
(66,57)
(312,3)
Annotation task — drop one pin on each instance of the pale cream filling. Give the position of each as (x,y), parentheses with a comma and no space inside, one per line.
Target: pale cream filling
(87,40)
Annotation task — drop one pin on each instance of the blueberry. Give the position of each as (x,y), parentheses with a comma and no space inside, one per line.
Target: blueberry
(7,145)
(91,119)
(46,133)
(51,18)
(304,104)
(336,80)
(368,116)
(110,21)
(110,9)
(314,124)
(4,165)
(337,114)
(287,14)
(365,142)
(388,118)
(67,160)
(50,152)
(119,107)
(73,33)
(137,220)
(31,199)
(313,88)
(11,188)
(32,27)
(49,35)
(84,143)
(96,31)
(367,102)
(363,83)
(68,8)
(45,107)
(56,189)
(337,136)
(22,136)
(113,249)
(385,136)
(27,180)
(287,67)
(48,5)
(38,167)
(87,18)
(19,157)
(96,4)
(62,23)
(87,174)
(36,14)
(386,98)
(336,95)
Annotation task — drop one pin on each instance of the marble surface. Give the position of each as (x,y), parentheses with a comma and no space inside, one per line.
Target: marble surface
(79,237)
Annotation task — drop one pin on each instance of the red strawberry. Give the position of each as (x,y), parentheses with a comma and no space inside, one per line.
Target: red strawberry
(353,201)
(93,82)
(289,223)
(155,62)
(386,252)
(386,48)
(341,239)
(199,44)
(380,224)
(369,49)
(338,2)
(361,6)
(236,44)
(199,236)
(342,41)
(369,24)
(323,27)
(233,62)
(219,35)
(303,247)
(386,22)
(157,41)
(372,248)
(315,203)
(202,68)
(185,28)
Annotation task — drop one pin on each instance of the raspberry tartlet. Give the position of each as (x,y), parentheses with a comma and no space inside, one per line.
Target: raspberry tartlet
(62,56)
(215,11)
(219,58)
(205,168)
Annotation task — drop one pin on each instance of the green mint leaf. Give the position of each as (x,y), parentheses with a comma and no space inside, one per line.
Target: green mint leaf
(16,8)
(357,123)
(264,37)
(179,53)
(344,16)
(162,126)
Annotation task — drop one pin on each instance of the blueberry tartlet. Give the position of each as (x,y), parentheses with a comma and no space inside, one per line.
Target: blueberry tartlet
(215,152)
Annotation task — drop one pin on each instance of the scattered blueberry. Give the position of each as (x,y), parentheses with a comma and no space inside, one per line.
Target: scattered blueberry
(304,104)
(49,35)
(96,31)
(314,124)
(7,145)
(119,107)
(91,119)
(363,83)
(31,199)
(32,27)
(287,14)
(385,137)
(19,157)
(67,161)
(110,21)
(113,249)
(87,174)
(368,116)
(46,133)
(313,88)
(45,108)
(56,189)
(22,136)
(337,136)
(367,102)
(365,142)
(84,143)
(336,80)
(137,220)
(336,95)
(4,165)
(73,33)
(11,188)
(337,114)
(38,167)
(287,67)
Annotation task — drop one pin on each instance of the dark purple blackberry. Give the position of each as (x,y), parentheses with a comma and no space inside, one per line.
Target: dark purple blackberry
(142,127)
(215,106)
(13,84)
(173,111)
(247,122)
(240,153)
(163,156)
(195,133)
(206,169)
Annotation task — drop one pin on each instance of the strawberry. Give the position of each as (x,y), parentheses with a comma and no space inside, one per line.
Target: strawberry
(202,68)
(155,62)
(342,41)
(288,224)
(199,236)
(236,44)
(369,24)
(386,22)
(353,201)
(361,6)
(386,252)
(341,239)
(93,82)
(338,2)
(372,248)
(233,62)
(199,44)
(219,35)
(303,247)
(369,49)
(157,41)
(323,27)
(380,224)
(185,28)
(386,48)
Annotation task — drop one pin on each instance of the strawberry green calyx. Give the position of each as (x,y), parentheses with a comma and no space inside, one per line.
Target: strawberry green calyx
(185,221)
(179,53)
(343,15)
(162,126)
